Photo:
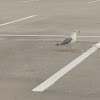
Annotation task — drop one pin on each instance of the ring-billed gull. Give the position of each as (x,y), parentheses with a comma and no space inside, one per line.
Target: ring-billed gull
(71,39)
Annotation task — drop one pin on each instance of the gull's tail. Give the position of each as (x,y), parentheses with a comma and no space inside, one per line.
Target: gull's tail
(57,44)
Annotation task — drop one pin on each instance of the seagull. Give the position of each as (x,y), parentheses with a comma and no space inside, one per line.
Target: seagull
(71,39)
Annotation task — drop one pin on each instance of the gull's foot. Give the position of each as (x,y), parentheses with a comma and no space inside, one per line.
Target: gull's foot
(81,51)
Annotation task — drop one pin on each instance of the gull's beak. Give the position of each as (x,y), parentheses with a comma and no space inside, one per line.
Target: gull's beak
(76,30)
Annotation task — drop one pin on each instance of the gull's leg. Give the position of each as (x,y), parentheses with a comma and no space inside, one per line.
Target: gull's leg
(70,47)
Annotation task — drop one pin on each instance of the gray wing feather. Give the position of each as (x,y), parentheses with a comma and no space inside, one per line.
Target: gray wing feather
(66,41)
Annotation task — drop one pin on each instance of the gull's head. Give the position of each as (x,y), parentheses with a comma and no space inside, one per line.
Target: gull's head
(77,31)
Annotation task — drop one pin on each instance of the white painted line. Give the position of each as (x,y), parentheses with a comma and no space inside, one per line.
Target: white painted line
(9,35)
(89,36)
(94,1)
(50,81)
(36,40)
(29,0)
(18,20)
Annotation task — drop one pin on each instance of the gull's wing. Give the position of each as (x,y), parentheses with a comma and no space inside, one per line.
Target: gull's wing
(66,41)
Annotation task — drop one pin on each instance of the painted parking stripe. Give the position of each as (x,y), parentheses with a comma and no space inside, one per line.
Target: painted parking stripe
(50,81)
(29,0)
(18,20)
(9,35)
(94,1)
